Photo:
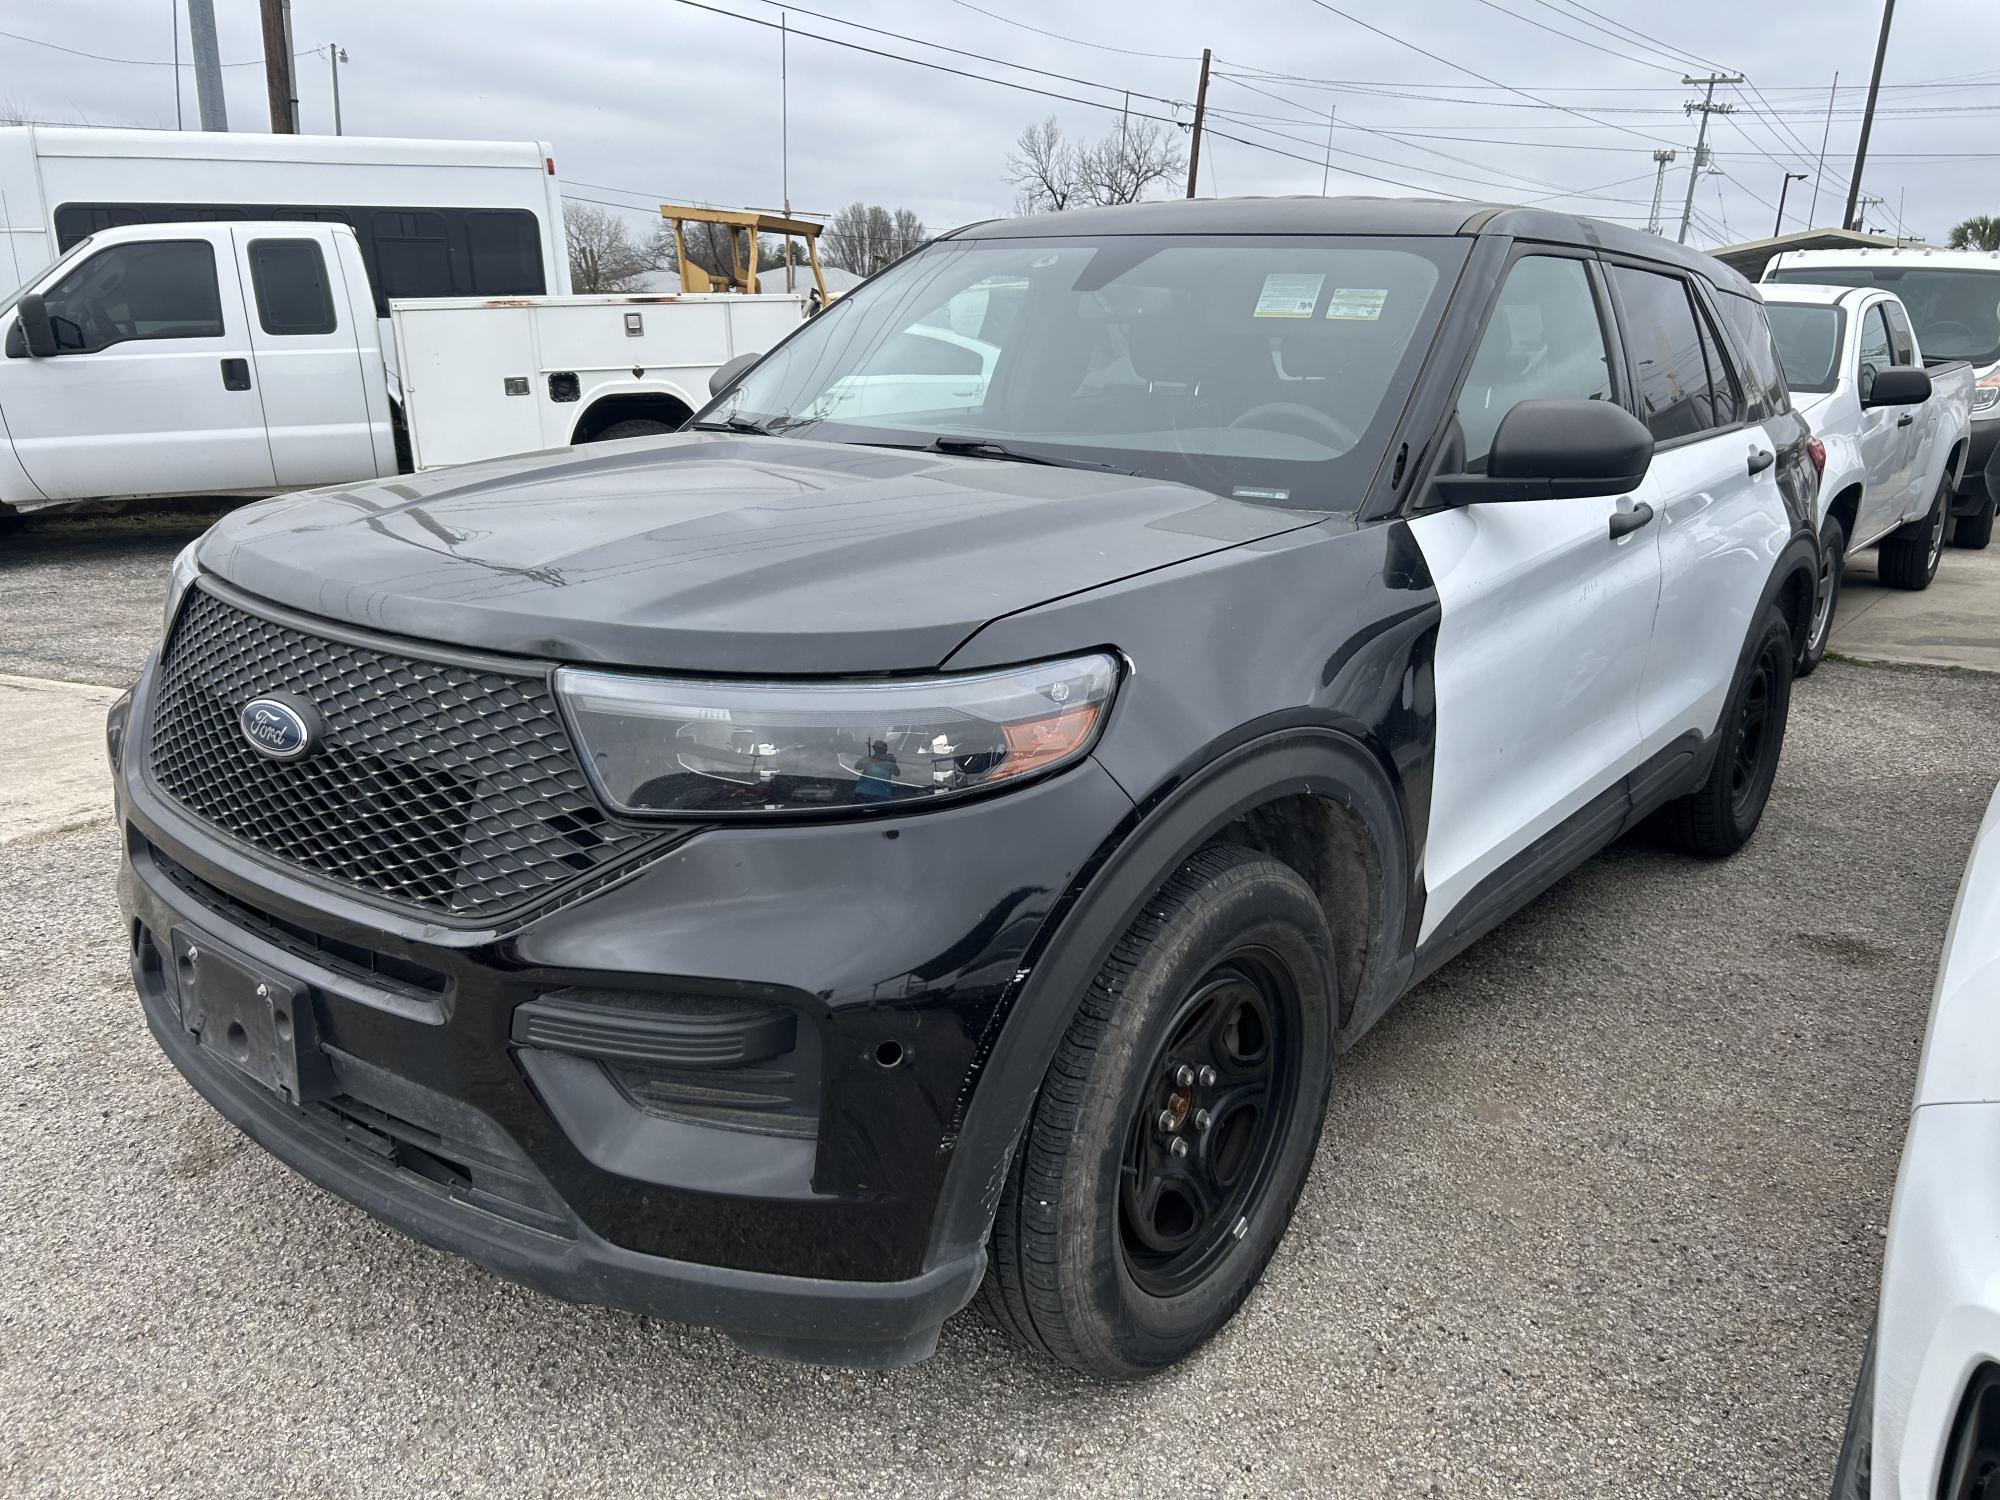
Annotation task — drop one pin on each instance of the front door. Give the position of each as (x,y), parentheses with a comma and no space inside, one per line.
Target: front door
(1887,445)
(1546,615)
(150,392)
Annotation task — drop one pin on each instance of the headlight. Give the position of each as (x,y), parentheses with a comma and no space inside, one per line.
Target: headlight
(679,745)
(178,583)
(1986,393)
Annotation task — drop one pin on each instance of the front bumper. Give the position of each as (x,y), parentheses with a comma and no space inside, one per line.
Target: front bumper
(1940,1313)
(898,942)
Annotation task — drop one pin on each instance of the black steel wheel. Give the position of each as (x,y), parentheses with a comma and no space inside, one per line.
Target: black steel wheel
(1718,817)
(1176,1124)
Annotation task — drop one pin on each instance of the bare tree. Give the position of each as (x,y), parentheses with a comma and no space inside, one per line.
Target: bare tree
(602,254)
(865,237)
(1051,173)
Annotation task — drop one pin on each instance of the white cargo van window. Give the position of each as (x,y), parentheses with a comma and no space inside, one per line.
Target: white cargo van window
(1544,342)
(289,279)
(162,290)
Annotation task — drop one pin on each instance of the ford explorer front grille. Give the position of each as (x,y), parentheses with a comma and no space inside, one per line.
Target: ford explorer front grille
(436,785)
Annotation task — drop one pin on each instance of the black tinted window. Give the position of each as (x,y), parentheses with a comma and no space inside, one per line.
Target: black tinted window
(1808,337)
(506,253)
(1544,342)
(412,257)
(1875,356)
(1725,406)
(164,289)
(289,278)
(1665,346)
(1763,372)
(1902,344)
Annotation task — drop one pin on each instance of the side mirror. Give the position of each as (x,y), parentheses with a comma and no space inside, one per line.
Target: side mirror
(1899,385)
(728,374)
(37,335)
(1557,450)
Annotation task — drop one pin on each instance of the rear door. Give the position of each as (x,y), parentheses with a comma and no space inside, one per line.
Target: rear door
(150,392)
(1720,519)
(1544,612)
(308,358)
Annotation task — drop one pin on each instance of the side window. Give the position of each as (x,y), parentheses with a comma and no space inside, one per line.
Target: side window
(412,258)
(162,289)
(1763,371)
(1725,403)
(506,253)
(1669,368)
(1874,349)
(1544,342)
(289,278)
(1902,342)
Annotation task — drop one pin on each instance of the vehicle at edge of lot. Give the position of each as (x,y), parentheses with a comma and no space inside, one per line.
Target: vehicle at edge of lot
(1925,1421)
(1953,298)
(1894,427)
(802,874)
(246,359)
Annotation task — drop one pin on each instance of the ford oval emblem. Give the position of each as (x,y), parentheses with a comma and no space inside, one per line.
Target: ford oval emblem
(280,726)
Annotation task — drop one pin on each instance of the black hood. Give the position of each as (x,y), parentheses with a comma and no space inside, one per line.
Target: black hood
(719,553)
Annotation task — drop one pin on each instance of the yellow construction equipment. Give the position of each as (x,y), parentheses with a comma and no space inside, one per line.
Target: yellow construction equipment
(741,276)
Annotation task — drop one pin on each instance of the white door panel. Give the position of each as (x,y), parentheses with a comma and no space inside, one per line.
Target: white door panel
(1545,620)
(1719,530)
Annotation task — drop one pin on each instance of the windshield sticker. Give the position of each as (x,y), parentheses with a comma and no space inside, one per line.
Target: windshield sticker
(1288,295)
(1251,492)
(1362,304)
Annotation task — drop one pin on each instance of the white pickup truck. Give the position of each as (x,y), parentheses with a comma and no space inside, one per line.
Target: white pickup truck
(1895,431)
(248,359)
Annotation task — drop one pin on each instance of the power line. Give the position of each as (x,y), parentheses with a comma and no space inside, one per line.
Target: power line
(133,62)
(1571,36)
(1667,49)
(1077,41)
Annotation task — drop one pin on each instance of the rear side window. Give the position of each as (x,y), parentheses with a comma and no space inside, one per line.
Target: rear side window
(1665,343)
(289,278)
(161,289)
(412,256)
(1725,401)
(1875,355)
(1749,327)
(1902,342)
(505,250)
(1544,342)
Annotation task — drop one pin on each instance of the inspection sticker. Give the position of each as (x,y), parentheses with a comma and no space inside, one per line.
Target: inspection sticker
(1357,303)
(1289,295)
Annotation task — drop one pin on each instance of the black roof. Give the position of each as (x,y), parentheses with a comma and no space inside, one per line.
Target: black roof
(1314,215)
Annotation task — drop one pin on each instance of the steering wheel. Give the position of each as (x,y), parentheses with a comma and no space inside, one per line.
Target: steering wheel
(1304,417)
(1940,327)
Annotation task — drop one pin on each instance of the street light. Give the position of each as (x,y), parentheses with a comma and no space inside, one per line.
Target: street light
(335,56)
(1784,188)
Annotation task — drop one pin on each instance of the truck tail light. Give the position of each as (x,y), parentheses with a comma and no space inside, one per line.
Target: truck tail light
(549,165)
(1816,451)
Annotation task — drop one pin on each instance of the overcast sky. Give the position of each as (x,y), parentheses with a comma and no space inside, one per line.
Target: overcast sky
(657,99)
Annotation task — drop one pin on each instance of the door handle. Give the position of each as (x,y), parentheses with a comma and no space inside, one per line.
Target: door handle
(1761,459)
(1625,522)
(1906,419)
(236,374)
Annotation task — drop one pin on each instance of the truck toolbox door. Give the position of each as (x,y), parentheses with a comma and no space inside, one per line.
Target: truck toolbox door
(308,358)
(150,392)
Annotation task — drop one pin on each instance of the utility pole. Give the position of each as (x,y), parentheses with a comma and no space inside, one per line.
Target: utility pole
(785,129)
(1660,159)
(207,66)
(1862,204)
(1200,109)
(174,15)
(335,56)
(278,66)
(1868,114)
(1706,106)
(1819,172)
(1784,188)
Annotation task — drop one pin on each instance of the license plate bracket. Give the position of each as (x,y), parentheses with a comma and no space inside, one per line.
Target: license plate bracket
(257,1021)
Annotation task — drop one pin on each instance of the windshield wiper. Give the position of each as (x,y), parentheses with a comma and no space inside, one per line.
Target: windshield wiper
(978,447)
(732,424)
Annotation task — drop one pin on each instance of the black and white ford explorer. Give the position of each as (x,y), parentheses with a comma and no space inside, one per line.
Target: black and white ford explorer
(931,829)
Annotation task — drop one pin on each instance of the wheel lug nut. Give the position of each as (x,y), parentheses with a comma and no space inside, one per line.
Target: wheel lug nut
(1179,1147)
(1203,1119)
(1184,1076)
(1208,1078)
(1167,1120)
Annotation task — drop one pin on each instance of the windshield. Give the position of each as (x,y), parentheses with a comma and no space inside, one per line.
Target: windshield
(1808,338)
(25,287)
(1264,368)
(1956,312)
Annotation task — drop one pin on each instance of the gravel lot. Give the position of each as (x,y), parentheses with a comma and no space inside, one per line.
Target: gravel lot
(1598,1210)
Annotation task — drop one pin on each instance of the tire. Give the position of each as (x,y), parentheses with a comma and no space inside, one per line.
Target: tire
(1974,531)
(1853,1471)
(1718,817)
(1832,570)
(1102,1256)
(633,427)
(1908,558)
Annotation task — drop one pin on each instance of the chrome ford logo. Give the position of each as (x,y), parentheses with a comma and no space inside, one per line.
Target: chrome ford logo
(283,728)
